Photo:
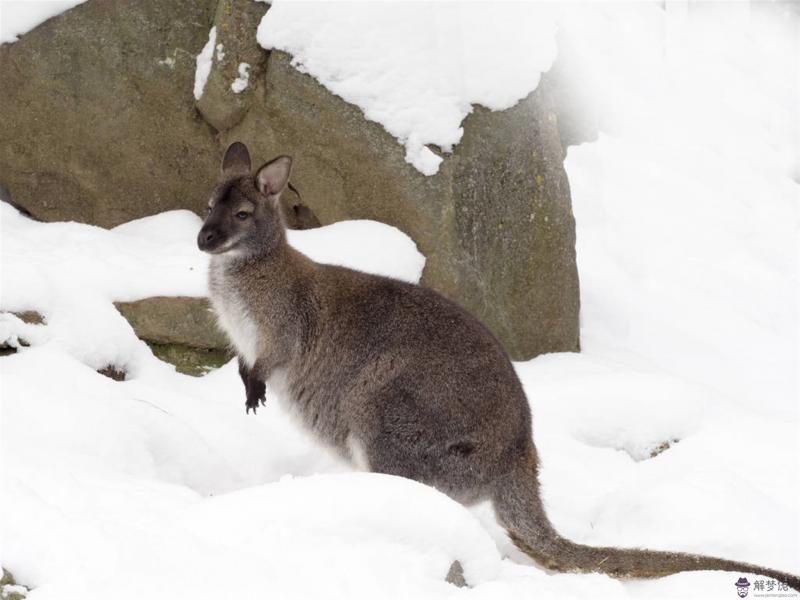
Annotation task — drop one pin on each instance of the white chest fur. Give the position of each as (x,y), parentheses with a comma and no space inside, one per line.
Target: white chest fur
(233,313)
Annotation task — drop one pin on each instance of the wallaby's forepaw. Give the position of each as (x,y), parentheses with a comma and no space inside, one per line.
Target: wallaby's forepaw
(255,390)
(256,395)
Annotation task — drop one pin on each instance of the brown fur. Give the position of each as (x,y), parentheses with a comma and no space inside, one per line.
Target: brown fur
(392,371)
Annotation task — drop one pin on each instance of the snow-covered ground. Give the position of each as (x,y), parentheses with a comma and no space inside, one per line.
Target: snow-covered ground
(161,486)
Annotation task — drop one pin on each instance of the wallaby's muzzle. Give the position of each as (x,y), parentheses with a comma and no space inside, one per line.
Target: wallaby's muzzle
(210,239)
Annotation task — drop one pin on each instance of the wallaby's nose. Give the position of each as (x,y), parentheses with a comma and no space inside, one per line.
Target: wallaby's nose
(205,237)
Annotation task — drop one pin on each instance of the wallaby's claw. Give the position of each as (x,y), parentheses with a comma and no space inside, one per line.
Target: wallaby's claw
(255,390)
(255,397)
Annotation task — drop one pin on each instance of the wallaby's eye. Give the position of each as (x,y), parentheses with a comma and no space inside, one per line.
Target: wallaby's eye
(241,215)
(208,210)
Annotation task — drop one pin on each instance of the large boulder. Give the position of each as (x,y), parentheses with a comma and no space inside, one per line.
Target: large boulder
(101,125)
(174,320)
(179,330)
(98,122)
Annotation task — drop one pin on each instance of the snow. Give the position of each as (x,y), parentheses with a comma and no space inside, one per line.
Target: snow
(366,245)
(686,216)
(417,68)
(240,83)
(204,61)
(686,210)
(17,17)
(68,270)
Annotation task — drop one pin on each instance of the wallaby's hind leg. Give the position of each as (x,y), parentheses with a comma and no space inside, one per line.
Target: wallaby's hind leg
(410,440)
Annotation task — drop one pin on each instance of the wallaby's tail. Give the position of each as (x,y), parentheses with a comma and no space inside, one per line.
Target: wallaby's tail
(520,511)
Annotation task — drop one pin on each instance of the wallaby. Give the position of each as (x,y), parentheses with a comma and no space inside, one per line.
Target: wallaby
(393,376)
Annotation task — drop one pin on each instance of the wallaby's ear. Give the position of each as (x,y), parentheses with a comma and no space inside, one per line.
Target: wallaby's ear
(272,178)
(236,159)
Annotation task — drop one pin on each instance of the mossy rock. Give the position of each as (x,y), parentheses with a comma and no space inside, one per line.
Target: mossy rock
(174,320)
(189,360)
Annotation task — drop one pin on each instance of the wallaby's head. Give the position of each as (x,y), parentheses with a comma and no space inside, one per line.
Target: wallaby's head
(243,212)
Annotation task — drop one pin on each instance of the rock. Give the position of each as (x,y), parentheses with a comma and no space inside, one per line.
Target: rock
(174,320)
(100,125)
(189,360)
(179,330)
(455,575)
(663,447)
(113,372)
(32,318)
(514,240)
(98,122)
(236,22)
(10,589)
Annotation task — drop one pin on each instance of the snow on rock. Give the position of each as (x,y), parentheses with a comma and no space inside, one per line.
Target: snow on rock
(240,83)
(71,272)
(16,333)
(17,18)
(67,271)
(204,62)
(417,68)
(366,245)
